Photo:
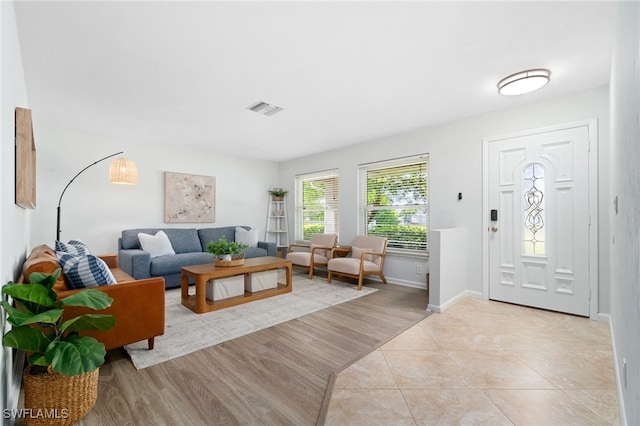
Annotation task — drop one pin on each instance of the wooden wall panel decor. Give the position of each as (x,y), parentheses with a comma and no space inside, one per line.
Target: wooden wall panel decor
(25,160)
(189,198)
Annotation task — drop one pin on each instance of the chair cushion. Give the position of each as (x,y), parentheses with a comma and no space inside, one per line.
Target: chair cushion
(356,252)
(303,258)
(85,271)
(373,244)
(351,266)
(300,258)
(324,240)
(156,245)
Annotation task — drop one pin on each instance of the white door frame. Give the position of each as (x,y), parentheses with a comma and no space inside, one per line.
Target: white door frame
(592,126)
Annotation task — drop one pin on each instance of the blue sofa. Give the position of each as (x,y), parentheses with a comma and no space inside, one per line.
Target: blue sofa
(190,246)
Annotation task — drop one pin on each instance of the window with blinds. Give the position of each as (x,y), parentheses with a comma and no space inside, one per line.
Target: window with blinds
(394,203)
(317,203)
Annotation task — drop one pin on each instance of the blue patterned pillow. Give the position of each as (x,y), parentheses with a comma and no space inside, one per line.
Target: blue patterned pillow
(76,247)
(85,271)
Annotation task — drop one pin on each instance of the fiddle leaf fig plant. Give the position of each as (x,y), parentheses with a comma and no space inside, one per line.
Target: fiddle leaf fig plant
(39,330)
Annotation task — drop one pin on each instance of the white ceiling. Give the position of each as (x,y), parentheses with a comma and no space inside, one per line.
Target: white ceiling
(174,72)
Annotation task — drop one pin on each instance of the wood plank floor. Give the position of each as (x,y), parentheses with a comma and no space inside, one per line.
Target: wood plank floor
(276,376)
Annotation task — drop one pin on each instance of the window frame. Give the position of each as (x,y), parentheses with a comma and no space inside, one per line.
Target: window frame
(363,208)
(299,207)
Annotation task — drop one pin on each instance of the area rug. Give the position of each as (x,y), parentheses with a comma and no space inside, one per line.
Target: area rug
(186,332)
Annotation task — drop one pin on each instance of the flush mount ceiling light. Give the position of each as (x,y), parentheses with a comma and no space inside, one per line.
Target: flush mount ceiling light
(523,82)
(264,108)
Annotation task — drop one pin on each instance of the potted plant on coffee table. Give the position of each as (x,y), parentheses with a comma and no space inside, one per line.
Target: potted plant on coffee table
(227,253)
(61,380)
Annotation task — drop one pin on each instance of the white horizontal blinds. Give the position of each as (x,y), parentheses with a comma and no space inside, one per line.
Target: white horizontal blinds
(317,204)
(396,203)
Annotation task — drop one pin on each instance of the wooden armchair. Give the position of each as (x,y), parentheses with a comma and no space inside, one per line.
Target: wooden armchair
(316,254)
(367,258)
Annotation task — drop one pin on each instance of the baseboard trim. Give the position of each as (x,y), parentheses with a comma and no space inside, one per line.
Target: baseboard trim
(621,411)
(406,283)
(455,299)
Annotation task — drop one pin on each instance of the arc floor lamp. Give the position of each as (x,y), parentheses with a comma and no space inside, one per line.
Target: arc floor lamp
(121,171)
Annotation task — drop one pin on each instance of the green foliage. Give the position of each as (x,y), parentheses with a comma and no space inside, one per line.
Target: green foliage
(39,330)
(222,246)
(311,229)
(386,217)
(278,192)
(403,190)
(402,236)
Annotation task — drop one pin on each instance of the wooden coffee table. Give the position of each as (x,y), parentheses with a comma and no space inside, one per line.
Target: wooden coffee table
(200,274)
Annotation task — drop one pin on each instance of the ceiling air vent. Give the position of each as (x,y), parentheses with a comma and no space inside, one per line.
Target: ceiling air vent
(264,108)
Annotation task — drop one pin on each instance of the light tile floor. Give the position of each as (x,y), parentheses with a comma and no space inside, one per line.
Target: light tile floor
(484,363)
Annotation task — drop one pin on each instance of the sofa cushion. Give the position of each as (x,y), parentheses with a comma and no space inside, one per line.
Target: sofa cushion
(183,240)
(248,237)
(85,271)
(164,265)
(214,234)
(254,252)
(43,259)
(156,245)
(76,247)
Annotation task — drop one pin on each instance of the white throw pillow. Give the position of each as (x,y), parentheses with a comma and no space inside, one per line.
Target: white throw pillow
(156,245)
(249,237)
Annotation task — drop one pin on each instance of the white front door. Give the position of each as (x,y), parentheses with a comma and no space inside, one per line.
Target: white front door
(539,244)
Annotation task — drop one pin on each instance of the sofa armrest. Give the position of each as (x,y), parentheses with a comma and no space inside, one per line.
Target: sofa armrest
(270,247)
(138,307)
(135,262)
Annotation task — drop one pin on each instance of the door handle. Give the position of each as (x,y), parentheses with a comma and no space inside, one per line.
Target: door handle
(494,229)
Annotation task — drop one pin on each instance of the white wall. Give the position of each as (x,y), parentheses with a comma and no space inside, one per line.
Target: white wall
(625,184)
(448,269)
(455,159)
(14,221)
(95,211)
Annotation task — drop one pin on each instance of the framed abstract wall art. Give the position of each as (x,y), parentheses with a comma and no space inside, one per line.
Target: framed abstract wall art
(189,198)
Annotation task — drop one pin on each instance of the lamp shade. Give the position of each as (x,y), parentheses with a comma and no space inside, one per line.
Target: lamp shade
(523,82)
(123,171)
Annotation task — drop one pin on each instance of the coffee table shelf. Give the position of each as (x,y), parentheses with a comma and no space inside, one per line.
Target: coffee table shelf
(200,274)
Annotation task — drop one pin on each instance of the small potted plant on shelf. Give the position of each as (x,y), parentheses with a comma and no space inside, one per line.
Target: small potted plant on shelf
(62,374)
(226,251)
(278,193)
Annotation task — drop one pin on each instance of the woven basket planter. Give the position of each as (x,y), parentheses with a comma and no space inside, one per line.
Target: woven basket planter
(232,262)
(235,261)
(56,399)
